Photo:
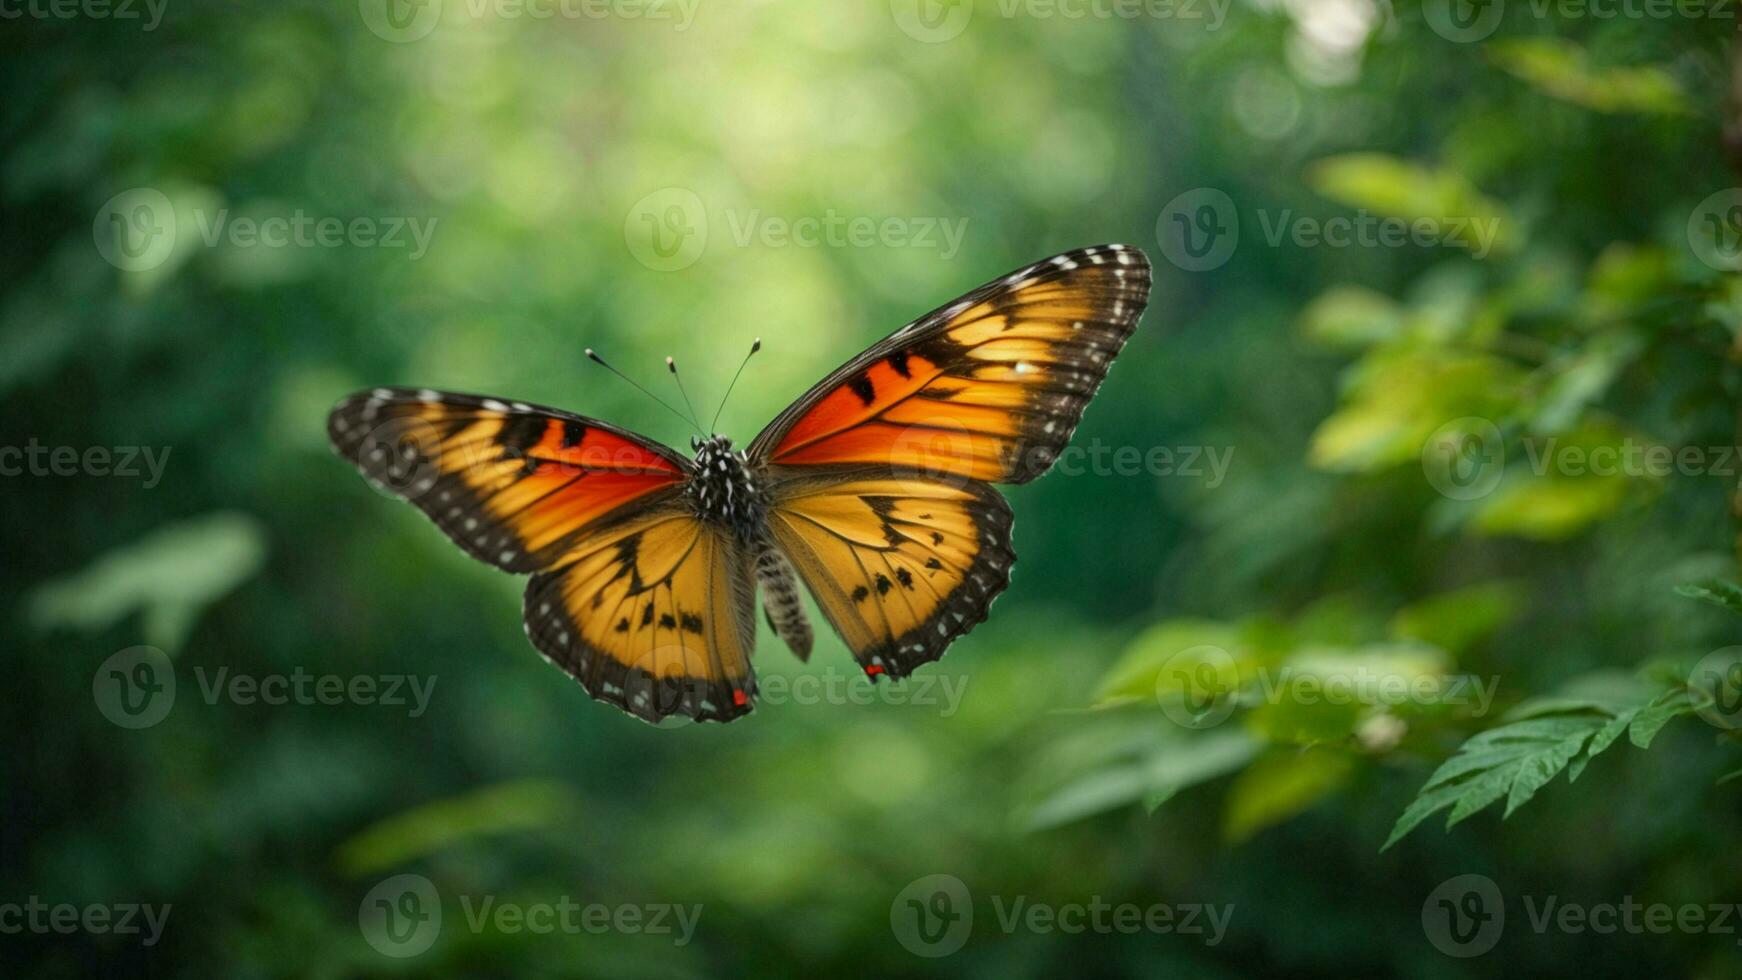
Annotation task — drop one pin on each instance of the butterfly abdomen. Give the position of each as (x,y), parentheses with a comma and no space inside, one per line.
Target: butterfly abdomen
(781,600)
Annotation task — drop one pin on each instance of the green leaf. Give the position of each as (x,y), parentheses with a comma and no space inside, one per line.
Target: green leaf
(1175,762)
(1715,591)
(169,577)
(1513,761)
(1396,400)
(1569,483)
(1280,786)
(1579,379)
(1352,317)
(426,829)
(1398,188)
(1561,69)
(1139,672)
(1456,620)
(1653,717)
(1540,739)
(1535,770)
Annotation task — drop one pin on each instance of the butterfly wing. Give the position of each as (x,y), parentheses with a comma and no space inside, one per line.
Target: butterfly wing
(879,476)
(900,566)
(654,614)
(646,606)
(989,387)
(513,484)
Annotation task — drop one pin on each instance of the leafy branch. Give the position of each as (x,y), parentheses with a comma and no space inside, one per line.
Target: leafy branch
(1516,760)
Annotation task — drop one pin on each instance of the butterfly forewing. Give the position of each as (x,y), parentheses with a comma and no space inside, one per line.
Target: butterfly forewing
(989,387)
(515,485)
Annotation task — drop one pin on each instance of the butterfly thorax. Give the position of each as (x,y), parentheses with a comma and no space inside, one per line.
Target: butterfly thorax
(722,491)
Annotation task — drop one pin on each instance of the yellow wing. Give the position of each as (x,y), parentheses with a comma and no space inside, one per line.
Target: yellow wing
(653,614)
(900,566)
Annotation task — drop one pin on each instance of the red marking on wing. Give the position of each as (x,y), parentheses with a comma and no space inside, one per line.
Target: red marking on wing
(843,408)
(599,450)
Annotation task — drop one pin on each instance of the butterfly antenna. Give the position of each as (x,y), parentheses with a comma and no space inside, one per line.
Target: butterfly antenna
(753,349)
(595,358)
(671,365)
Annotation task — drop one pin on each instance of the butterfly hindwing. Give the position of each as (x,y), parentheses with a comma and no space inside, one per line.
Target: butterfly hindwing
(900,566)
(513,484)
(989,387)
(653,614)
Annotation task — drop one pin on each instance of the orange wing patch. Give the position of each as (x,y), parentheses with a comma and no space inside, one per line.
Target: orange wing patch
(514,485)
(654,614)
(989,388)
(901,567)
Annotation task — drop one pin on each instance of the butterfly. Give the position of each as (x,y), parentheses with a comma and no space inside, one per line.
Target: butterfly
(874,489)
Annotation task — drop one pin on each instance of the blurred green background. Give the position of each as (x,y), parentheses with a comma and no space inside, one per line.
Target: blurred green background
(1131,727)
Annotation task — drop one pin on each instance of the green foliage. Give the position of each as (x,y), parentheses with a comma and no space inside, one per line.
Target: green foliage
(1514,760)
(168,577)
(1562,69)
(1148,716)
(1718,592)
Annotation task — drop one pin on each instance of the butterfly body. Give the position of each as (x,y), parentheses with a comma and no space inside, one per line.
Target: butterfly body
(875,489)
(723,491)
